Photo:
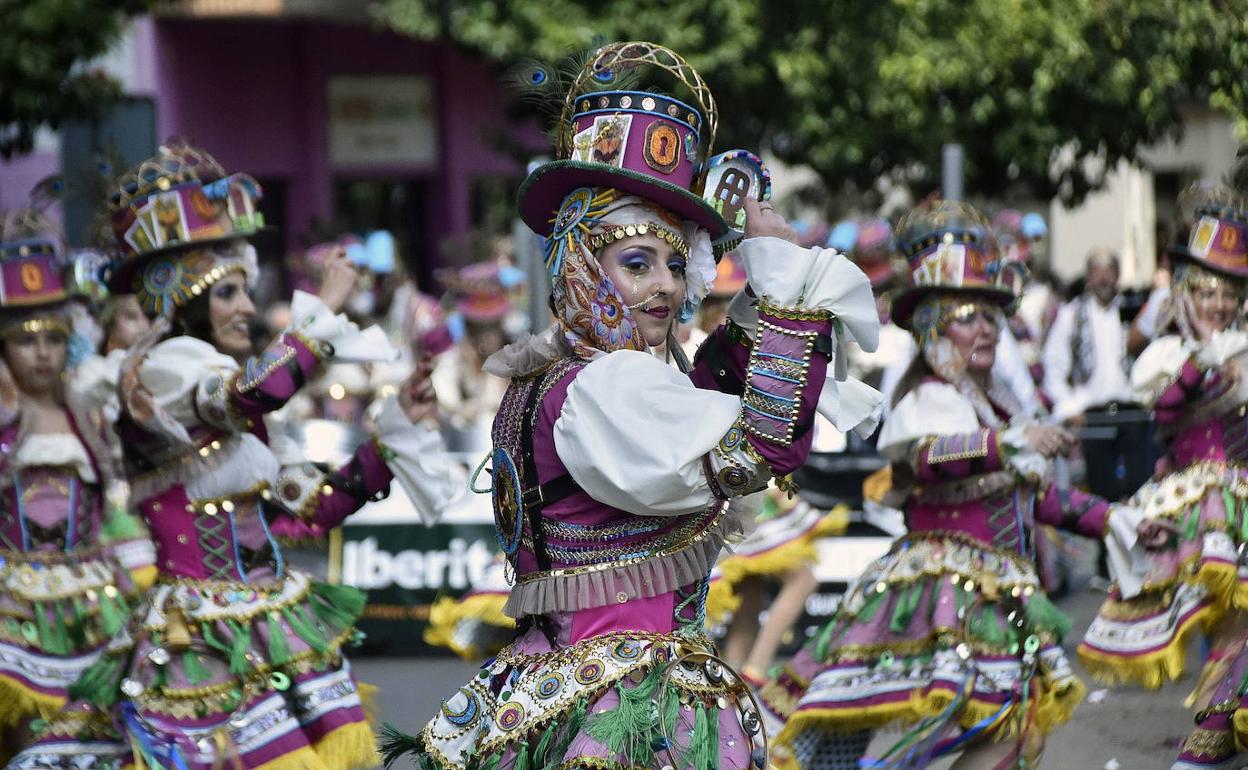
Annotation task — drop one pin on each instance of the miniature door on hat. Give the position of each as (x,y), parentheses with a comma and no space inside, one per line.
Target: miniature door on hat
(730,178)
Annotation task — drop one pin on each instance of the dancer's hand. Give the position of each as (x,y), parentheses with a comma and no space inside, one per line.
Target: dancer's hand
(1049,440)
(416,396)
(1156,533)
(338,280)
(761,220)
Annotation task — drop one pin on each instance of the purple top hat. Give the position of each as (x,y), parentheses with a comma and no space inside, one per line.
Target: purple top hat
(951,251)
(31,269)
(1218,239)
(179,199)
(641,143)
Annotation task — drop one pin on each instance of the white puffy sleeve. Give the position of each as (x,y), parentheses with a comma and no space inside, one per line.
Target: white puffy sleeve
(417,457)
(633,433)
(175,370)
(1157,367)
(931,409)
(312,319)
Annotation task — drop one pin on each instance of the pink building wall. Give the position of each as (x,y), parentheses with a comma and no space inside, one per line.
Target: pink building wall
(255,95)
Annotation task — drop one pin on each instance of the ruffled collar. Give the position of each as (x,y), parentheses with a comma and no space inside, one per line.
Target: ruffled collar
(54,450)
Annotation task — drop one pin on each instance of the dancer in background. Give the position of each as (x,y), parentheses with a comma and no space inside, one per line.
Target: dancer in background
(1193,377)
(63,554)
(951,630)
(232,658)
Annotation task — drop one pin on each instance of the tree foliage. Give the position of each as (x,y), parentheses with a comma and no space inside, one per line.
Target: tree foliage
(46,47)
(1045,95)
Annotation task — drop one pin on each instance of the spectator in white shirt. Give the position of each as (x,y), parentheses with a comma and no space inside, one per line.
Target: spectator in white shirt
(1085,354)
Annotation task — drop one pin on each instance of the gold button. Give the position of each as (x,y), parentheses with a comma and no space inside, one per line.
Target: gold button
(621,597)
(156,506)
(169,563)
(182,539)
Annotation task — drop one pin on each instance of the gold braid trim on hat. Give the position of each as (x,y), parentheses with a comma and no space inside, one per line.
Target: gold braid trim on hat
(36,325)
(620,232)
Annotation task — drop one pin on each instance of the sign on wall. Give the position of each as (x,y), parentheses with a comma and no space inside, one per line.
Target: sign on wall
(382,120)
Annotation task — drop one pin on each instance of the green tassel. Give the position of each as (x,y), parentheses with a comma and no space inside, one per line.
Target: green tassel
(121,525)
(193,667)
(704,745)
(304,631)
(571,728)
(905,608)
(1043,614)
(872,605)
(990,626)
(279,648)
(1228,503)
(337,604)
(522,761)
(52,637)
(627,728)
(394,744)
(240,645)
(1192,525)
(543,746)
(111,615)
(493,762)
(99,683)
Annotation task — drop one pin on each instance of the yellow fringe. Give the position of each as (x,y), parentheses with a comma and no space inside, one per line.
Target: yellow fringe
(302,758)
(1222,580)
(721,602)
(774,563)
(834,523)
(350,747)
(144,577)
(368,701)
(1051,708)
(1239,729)
(1153,669)
(446,613)
(878,484)
(18,702)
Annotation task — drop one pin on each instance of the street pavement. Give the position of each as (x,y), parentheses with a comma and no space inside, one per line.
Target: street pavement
(1136,729)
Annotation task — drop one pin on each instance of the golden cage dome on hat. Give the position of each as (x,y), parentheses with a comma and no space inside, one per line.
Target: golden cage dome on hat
(638,142)
(951,251)
(180,224)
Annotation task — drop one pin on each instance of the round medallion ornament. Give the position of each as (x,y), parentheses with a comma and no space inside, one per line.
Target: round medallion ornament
(510,716)
(462,717)
(574,208)
(590,672)
(627,651)
(550,686)
(508,502)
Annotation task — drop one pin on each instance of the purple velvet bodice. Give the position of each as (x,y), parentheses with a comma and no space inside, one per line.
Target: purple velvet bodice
(57,511)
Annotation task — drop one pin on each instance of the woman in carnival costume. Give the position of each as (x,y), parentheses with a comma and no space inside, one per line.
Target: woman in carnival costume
(67,578)
(611,469)
(1193,377)
(232,657)
(951,629)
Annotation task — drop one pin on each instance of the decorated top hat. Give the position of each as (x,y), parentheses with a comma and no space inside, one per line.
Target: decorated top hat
(178,200)
(1218,237)
(869,244)
(479,291)
(31,267)
(638,142)
(950,249)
